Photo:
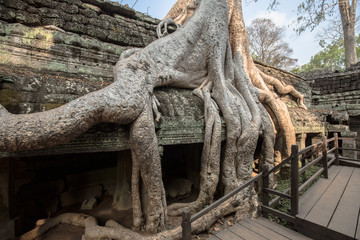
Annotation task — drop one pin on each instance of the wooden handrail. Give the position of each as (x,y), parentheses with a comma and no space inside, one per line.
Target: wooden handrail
(187,219)
(311,179)
(312,163)
(331,150)
(309,148)
(280,194)
(294,189)
(224,198)
(277,167)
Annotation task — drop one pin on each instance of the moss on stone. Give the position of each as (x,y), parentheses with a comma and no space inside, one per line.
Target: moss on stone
(9,97)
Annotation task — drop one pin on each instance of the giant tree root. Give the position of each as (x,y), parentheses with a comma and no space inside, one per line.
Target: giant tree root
(113,230)
(212,48)
(210,158)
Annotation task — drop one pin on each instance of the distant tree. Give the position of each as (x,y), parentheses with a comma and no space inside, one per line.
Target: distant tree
(332,57)
(267,44)
(313,12)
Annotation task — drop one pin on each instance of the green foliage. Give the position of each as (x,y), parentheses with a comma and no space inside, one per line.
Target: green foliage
(284,205)
(312,12)
(332,56)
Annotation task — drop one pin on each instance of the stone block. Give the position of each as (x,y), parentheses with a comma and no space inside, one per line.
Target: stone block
(58,22)
(92,178)
(72,9)
(90,9)
(18,4)
(42,190)
(88,204)
(178,188)
(80,195)
(28,19)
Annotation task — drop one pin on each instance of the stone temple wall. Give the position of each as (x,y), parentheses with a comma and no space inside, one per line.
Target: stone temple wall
(100,19)
(54,51)
(305,122)
(288,78)
(336,95)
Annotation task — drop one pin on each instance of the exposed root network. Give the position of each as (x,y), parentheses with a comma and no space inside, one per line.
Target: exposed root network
(209,54)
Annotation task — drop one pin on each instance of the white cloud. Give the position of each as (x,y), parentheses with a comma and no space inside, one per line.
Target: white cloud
(280,19)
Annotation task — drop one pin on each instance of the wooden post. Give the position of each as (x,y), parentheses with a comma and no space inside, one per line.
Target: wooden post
(186,226)
(336,145)
(265,194)
(324,153)
(294,180)
(303,162)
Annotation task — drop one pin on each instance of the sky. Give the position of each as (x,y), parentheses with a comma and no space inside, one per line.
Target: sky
(304,46)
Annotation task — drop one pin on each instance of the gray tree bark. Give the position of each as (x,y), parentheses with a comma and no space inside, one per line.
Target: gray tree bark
(209,54)
(347,13)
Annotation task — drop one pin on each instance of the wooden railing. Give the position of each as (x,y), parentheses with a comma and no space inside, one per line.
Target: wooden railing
(294,190)
(349,161)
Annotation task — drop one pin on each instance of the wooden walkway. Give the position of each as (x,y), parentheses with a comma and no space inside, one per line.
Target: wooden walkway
(259,229)
(330,209)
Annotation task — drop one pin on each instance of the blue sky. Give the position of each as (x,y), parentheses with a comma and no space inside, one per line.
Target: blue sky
(304,46)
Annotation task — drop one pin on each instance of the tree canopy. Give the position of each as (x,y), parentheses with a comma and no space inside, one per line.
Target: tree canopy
(331,57)
(267,44)
(313,12)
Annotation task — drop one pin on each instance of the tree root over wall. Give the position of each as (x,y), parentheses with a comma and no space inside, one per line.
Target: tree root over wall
(113,230)
(209,54)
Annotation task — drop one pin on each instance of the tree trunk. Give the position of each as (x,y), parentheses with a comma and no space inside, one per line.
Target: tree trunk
(210,54)
(347,13)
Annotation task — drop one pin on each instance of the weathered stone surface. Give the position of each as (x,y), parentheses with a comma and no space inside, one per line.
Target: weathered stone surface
(90,178)
(79,195)
(51,50)
(338,91)
(114,20)
(41,190)
(289,79)
(178,188)
(349,142)
(88,204)
(337,96)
